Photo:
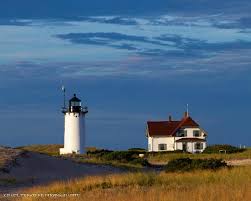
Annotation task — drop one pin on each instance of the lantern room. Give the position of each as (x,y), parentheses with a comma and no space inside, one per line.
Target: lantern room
(75,104)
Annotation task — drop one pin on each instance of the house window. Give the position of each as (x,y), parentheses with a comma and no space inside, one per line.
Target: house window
(198,145)
(196,133)
(185,133)
(162,147)
(182,133)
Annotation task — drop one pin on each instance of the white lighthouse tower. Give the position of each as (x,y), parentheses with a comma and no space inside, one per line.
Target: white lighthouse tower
(74,128)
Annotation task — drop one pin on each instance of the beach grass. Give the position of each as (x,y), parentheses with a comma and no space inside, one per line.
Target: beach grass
(227,184)
(114,163)
(49,149)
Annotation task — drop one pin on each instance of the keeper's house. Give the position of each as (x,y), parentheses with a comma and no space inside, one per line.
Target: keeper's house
(185,135)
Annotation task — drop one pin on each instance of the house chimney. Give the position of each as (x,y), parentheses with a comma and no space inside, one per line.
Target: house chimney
(170,118)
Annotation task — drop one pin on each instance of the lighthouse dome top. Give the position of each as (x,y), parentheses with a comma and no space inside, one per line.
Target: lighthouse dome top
(75,99)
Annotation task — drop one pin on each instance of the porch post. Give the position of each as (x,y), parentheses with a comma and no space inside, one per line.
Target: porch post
(175,145)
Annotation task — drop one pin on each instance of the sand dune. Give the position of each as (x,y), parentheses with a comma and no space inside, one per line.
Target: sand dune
(34,168)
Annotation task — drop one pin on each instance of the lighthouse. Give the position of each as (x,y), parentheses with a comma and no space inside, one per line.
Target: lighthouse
(74,127)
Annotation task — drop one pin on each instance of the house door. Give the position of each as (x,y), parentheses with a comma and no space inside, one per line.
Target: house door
(184,146)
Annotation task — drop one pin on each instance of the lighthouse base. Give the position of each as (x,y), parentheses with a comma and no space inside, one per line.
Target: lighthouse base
(63,151)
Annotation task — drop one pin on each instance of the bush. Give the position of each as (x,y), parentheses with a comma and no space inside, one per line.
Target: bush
(181,164)
(118,156)
(123,156)
(98,152)
(224,147)
(187,164)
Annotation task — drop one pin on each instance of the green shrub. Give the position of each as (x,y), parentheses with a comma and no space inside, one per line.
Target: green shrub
(118,156)
(98,153)
(123,156)
(187,164)
(222,147)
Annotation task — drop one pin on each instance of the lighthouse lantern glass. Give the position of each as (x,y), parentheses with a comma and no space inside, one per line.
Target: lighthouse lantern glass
(76,103)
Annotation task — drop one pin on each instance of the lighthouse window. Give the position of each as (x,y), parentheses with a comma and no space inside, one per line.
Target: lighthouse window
(75,103)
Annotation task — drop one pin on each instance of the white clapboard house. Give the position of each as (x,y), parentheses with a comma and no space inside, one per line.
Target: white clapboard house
(186,135)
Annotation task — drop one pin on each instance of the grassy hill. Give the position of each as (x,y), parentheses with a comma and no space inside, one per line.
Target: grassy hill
(49,149)
(99,156)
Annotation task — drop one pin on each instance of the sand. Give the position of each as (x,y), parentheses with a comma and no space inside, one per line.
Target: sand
(36,169)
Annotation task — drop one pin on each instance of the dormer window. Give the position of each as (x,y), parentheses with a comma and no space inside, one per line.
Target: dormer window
(196,133)
(182,133)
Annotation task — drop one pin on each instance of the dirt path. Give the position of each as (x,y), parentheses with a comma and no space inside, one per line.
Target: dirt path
(35,168)
(239,162)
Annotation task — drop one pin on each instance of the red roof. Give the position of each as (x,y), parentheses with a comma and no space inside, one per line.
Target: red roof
(169,128)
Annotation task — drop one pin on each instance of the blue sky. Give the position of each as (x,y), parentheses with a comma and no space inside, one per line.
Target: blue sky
(129,62)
